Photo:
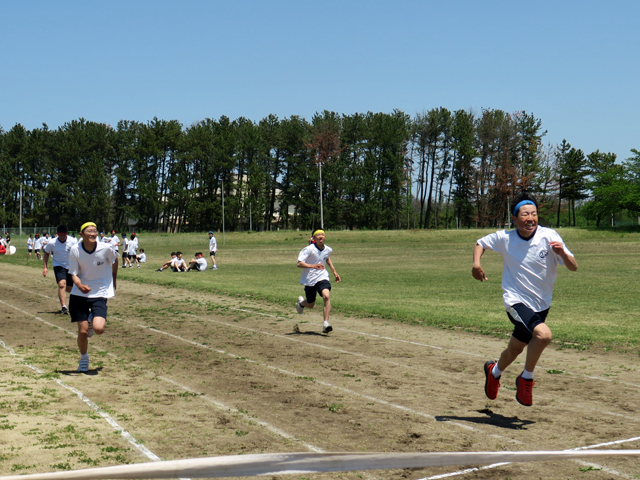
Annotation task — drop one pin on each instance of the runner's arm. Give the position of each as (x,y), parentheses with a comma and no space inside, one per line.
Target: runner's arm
(335,274)
(45,261)
(477,271)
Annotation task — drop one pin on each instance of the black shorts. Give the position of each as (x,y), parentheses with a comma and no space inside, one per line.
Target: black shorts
(212,254)
(132,256)
(37,250)
(62,273)
(29,249)
(79,307)
(312,291)
(525,320)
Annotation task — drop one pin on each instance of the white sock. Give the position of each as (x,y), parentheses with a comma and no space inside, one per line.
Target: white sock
(84,355)
(326,324)
(527,375)
(496,372)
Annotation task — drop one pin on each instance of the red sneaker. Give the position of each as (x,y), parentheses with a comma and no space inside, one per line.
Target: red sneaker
(491,384)
(524,396)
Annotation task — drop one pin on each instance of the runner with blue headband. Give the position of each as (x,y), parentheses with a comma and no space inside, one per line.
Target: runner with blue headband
(531,255)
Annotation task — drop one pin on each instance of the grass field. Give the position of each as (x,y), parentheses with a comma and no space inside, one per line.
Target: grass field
(421,277)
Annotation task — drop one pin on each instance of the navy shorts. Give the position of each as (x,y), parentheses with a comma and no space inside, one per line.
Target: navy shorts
(79,307)
(62,273)
(212,254)
(312,291)
(525,320)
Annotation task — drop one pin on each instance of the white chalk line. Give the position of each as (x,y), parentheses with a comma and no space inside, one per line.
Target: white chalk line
(222,406)
(326,383)
(463,352)
(419,344)
(326,347)
(127,436)
(239,327)
(588,447)
(390,404)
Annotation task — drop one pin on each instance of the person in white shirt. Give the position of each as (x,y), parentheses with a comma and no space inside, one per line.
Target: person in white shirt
(59,248)
(179,265)
(93,267)
(132,251)
(531,255)
(115,242)
(312,259)
(142,257)
(170,263)
(44,240)
(30,243)
(125,243)
(37,245)
(213,248)
(198,264)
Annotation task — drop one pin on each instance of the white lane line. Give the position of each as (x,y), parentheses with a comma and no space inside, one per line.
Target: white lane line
(141,448)
(334,349)
(326,384)
(220,405)
(587,447)
(254,312)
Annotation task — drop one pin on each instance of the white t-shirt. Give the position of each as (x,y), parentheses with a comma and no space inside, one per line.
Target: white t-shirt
(213,245)
(60,251)
(530,267)
(44,241)
(313,255)
(179,263)
(201,264)
(115,241)
(132,246)
(94,269)
(142,258)
(37,244)
(30,242)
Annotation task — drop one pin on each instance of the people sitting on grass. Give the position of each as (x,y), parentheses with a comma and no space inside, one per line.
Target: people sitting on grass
(141,257)
(170,263)
(180,265)
(198,264)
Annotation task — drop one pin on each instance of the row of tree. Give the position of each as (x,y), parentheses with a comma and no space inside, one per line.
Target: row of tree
(373,170)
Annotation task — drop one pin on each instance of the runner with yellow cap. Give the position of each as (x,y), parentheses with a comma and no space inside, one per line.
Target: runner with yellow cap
(312,259)
(93,267)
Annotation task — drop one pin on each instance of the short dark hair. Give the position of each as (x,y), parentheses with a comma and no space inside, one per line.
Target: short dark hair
(178,253)
(62,229)
(173,253)
(142,249)
(522,196)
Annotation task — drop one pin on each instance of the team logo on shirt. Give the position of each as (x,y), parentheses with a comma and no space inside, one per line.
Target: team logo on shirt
(543,254)
(99,263)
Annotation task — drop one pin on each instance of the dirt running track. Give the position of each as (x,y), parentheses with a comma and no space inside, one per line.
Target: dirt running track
(190,375)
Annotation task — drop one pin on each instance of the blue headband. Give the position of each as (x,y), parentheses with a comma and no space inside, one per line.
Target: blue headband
(523,202)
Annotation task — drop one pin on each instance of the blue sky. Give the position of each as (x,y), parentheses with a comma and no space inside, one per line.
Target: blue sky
(573,64)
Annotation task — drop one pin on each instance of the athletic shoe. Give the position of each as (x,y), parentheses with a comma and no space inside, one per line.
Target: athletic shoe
(214,268)
(299,307)
(91,332)
(83,366)
(491,384)
(327,329)
(524,395)
(159,270)
(64,310)
(138,266)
